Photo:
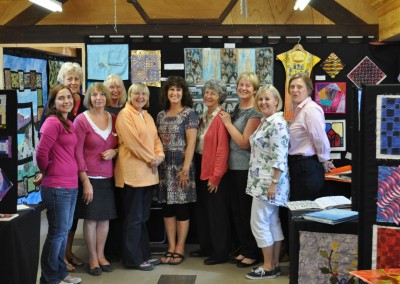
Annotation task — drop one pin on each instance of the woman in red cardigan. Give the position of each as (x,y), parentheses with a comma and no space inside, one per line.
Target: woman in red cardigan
(212,150)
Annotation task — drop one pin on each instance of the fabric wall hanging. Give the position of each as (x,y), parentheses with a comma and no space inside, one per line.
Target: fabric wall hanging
(385,241)
(332,65)
(54,67)
(388,126)
(295,61)
(326,257)
(388,197)
(336,132)
(106,59)
(146,67)
(331,96)
(366,73)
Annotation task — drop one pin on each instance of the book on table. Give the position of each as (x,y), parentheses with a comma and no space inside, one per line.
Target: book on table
(7,217)
(321,203)
(331,216)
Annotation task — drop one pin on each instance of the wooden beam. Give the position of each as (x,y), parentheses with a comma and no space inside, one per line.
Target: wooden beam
(78,33)
(30,16)
(335,12)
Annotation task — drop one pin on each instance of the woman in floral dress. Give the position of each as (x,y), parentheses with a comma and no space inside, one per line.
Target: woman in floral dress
(268,180)
(177,128)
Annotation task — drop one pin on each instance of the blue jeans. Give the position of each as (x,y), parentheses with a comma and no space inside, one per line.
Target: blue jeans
(60,205)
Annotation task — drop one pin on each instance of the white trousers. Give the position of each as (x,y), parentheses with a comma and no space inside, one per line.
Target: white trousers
(265,223)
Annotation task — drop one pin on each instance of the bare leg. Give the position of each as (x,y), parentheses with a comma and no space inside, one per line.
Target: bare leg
(182,232)
(102,232)
(268,257)
(276,252)
(89,233)
(170,229)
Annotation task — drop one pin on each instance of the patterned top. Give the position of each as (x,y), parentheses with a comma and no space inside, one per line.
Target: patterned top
(238,157)
(269,149)
(171,130)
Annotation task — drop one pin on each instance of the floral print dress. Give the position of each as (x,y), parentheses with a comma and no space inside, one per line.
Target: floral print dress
(269,150)
(172,132)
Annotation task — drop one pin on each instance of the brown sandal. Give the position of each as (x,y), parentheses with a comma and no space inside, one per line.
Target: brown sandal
(166,255)
(176,255)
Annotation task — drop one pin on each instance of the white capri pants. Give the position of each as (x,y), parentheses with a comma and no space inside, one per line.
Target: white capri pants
(265,223)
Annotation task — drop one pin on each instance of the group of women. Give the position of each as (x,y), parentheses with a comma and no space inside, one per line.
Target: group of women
(233,168)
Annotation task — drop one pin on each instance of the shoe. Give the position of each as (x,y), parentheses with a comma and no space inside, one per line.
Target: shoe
(106,268)
(73,280)
(199,253)
(234,260)
(75,261)
(70,267)
(167,255)
(213,261)
(260,273)
(277,270)
(241,264)
(153,261)
(145,266)
(177,256)
(95,271)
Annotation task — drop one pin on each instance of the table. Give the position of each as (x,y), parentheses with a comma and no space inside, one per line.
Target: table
(19,247)
(297,224)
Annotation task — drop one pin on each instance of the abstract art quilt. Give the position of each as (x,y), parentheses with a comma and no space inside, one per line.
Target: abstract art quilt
(146,67)
(331,96)
(366,73)
(385,244)
(388,197)
(336,131)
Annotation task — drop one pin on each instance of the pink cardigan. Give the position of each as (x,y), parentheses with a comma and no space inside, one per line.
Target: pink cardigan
(214,162)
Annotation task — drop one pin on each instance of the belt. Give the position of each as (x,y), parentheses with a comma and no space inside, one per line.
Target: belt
(294,158)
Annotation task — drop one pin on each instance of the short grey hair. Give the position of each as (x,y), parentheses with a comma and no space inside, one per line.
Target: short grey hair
(68,67)
(219,87)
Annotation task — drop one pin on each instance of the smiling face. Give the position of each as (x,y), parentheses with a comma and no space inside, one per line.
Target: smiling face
(73,82)
(139,100)
(245,89)
(98,99)
(116,91)
(298,90)
(267,103)
(175,94)
(64,102)
(211,99)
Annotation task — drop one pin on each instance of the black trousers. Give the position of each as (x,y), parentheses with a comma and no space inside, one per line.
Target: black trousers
(212,216)
(136,244)
(240,206)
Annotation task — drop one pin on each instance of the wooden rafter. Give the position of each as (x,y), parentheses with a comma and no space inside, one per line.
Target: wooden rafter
(335,12)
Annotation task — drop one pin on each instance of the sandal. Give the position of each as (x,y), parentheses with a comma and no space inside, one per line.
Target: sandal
(70,267)
(75,261)
(176,255)
(166,255)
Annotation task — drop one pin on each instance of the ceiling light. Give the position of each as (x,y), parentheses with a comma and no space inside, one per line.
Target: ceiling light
(52,5)
(301,4)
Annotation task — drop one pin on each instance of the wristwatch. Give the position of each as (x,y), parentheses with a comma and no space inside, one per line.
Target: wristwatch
(274,180)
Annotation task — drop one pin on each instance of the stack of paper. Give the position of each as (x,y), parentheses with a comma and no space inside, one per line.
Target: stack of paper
(331,216)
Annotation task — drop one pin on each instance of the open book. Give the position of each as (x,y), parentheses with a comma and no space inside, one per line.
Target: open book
(320,203)
(331,216)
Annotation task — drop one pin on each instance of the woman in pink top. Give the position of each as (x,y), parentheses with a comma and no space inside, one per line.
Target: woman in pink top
(95,151)
(140,153)
(55,156)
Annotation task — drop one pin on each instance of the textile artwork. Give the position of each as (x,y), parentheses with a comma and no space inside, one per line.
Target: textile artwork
(388,127)
(146,67)
(388,196)
(366,73)
(106,59)
(326,257)
(331,96)
(295,61)
(336,131)
(29,78)
(332,65)
(54,68)
(385,244)
(378,276)
(227,64)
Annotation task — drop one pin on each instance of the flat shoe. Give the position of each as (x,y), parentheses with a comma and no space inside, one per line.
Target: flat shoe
(106,268)
(75,261)
(234,260)
(244,265)
(95,271)
(177,256)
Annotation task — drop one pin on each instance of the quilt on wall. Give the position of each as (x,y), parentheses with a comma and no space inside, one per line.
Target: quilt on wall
(331,96)
(227,64)
(366,73)
(54,68)
(336,131)
(332,65)
(388,197)
(29,77)
(326,257)
(388,126)
(106,59)
(385,244)
(146,67)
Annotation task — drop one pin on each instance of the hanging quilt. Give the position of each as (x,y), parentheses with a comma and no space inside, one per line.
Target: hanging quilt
(326,257)
(295,61)
(146,67)
(366,73)
(332,65)
(388,197)
(385,244)
(336,131)
(331,96)
(388,126)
